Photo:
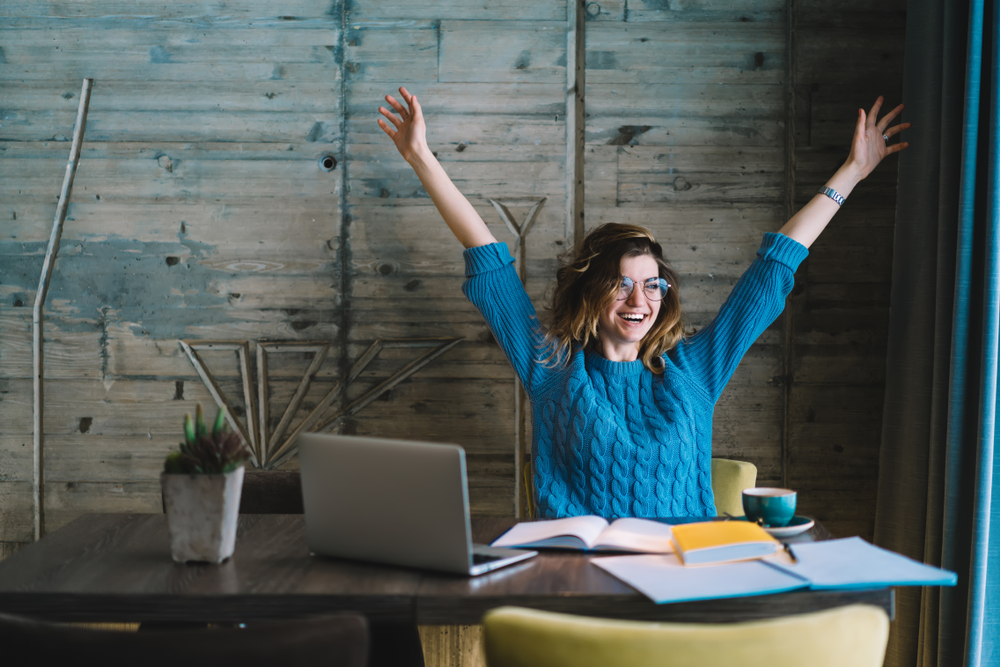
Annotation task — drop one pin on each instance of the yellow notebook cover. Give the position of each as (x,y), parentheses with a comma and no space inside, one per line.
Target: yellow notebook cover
(722,541)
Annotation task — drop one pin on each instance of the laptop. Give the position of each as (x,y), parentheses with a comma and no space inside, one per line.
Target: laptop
(392,501)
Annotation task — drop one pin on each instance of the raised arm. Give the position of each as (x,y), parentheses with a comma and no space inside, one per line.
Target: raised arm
(870,145)
(409,134)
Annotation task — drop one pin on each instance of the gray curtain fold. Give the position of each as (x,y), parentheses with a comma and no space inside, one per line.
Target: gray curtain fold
(925,487)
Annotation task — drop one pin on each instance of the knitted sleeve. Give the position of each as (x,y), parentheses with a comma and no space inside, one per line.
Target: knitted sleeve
(712,354)
(494,288)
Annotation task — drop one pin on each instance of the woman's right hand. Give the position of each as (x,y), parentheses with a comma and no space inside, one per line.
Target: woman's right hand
(410,133)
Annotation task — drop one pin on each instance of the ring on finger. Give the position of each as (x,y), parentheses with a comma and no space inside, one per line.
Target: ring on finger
(886,137)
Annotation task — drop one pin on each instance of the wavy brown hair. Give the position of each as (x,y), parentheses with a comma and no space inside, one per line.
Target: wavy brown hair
(589,283)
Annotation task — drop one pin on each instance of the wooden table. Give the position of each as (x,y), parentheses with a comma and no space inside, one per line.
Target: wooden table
(117,568)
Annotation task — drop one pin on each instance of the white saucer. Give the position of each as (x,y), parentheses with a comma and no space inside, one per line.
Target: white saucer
(798,524)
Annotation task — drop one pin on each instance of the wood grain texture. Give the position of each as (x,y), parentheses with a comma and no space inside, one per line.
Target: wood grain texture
(511,51)
(687,52)
(841,306)
(695,149)
(114,567)
(183,215)
(9,548)
(452,645)
(200,213)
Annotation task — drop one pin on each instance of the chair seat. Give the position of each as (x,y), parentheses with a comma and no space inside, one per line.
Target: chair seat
(854,635)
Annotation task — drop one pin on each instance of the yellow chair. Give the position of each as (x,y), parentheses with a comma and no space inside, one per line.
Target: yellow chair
(854,635)
(729,478)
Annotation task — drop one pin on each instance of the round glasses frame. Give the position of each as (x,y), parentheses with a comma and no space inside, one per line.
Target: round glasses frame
(654,289)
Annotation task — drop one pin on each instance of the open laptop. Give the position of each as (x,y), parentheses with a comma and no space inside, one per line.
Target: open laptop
(392,501)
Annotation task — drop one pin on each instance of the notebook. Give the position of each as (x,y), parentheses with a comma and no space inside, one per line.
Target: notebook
(392,501)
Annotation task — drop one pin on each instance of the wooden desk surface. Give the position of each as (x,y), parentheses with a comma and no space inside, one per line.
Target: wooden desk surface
(117,567)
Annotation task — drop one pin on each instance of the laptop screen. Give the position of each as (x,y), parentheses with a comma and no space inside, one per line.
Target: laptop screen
(388,501)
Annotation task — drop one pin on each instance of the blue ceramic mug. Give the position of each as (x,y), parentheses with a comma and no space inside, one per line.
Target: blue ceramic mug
(775,507)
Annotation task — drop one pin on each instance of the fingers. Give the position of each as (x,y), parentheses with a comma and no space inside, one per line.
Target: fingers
(873,114)
(399,108)
(884,122)
(895,148)
(411,101)
(392,119)
(385,128)
(896,129)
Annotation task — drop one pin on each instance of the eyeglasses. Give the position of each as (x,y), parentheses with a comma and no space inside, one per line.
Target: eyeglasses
(654,288)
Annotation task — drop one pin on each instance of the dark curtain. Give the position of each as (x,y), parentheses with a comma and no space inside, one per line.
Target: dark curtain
(936,461)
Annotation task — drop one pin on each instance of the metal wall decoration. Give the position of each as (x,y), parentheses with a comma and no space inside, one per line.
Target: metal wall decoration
(38,319)
(270,448)
(522,466)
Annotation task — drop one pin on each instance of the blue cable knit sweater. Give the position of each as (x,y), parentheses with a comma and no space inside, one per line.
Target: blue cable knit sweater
(612,438)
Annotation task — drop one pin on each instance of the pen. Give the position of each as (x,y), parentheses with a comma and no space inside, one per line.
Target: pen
(788,550)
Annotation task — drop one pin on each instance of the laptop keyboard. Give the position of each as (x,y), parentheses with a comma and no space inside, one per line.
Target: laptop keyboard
(479,559)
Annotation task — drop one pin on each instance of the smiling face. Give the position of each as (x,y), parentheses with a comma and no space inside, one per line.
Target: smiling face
(623,324)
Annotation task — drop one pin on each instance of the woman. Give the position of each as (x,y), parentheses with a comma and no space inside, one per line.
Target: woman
(622,402)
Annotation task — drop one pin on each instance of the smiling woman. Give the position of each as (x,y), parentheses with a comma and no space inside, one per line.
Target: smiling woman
(622,402)
(596,302)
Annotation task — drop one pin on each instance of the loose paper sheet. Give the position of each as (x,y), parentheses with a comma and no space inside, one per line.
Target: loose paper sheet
(665,579)
(854,563)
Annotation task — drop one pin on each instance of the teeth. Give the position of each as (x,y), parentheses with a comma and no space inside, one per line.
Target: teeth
(631,317)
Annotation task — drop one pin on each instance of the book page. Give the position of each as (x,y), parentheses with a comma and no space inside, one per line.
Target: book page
(639,535)
(532,533)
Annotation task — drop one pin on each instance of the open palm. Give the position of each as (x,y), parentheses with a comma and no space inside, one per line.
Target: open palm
(408,131)
(871,138)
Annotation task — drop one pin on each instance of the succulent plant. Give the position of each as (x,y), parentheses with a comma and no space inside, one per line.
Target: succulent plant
(210,453)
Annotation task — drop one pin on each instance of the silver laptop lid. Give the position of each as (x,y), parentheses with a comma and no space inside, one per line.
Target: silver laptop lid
(389,501)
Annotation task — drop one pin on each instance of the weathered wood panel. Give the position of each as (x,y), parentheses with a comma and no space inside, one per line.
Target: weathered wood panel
(841,308)
(199,203)
(696,114)
(495,107)
(10,548)
(394,52)
(720,11)
(507,51)
(682,97)
(200,213)
(686,52)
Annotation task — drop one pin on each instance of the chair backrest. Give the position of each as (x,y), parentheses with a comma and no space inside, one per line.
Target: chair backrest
(340,641)
(271,492)
(854,635)
(268,492)
(729,478)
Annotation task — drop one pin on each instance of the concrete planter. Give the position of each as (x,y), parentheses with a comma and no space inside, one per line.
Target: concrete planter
(201,514)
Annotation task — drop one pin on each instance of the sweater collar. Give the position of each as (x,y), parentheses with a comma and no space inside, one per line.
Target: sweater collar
(597,361)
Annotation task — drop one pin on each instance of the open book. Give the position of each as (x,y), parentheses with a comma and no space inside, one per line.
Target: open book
(590,533)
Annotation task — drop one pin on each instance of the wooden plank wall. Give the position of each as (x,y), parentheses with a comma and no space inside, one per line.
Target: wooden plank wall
(703,118)
(199,212)
(491,79)
(844,56)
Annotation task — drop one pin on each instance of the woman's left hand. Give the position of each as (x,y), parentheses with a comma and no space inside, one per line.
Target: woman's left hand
(871,138)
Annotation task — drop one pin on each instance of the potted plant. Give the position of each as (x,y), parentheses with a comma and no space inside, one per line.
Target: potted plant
(201,490)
